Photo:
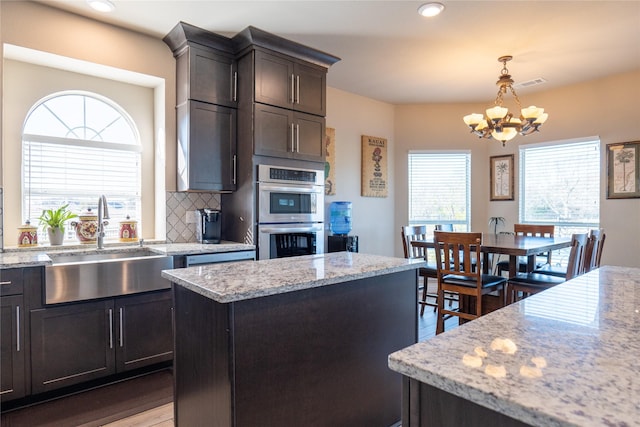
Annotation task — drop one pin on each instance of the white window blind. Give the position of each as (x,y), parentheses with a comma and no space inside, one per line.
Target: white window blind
(560,185)
(76,148)
(439,188)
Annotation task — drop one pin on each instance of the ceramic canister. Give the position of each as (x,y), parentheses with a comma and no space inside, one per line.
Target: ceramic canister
(128,230)
(27,235)
(86,226)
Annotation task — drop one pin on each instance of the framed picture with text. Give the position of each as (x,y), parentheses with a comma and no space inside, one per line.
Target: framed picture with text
(501,174)
(623,170)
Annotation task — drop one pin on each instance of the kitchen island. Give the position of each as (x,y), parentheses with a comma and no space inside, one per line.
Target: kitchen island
(292,341)
(565,357)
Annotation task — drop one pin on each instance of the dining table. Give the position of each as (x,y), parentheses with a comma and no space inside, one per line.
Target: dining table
(513,246)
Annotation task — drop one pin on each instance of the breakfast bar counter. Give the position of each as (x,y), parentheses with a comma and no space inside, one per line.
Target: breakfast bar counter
(292,341)
(565,357)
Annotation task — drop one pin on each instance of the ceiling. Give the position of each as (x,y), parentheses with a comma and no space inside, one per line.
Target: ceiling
(390,53)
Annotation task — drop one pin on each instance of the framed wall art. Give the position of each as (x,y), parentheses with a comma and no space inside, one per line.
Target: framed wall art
(623,170)
(501,177)
(330,162)
(374,167)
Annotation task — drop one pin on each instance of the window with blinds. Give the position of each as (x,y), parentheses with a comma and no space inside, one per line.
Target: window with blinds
(560,185)
(440,188)
(76,147)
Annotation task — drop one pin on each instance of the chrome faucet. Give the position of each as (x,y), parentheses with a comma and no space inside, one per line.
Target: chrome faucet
(103,214)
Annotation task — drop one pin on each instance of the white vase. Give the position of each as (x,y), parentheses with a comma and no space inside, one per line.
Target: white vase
(56,235)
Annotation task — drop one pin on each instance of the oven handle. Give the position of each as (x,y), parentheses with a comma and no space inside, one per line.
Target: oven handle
(290,188)
(290,228)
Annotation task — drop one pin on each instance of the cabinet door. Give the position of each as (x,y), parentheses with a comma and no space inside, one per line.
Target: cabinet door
(310,89)
(71,344)
(207,147)
(273,131)
(310,133)
(145,330)
(12,351)
(274,82)
(210,77)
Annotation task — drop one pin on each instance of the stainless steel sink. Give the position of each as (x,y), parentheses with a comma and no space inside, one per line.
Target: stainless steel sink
(87,276)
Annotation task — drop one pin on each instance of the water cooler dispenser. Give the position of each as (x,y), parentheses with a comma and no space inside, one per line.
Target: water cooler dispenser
(340,226)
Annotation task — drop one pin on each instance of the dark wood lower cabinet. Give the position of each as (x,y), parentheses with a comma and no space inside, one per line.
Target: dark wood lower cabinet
(426,406)
(12,348)
(75,343)
(315,357)
(145,330)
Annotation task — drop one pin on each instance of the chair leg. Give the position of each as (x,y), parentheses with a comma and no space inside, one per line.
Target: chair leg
(424,295)
(440,319)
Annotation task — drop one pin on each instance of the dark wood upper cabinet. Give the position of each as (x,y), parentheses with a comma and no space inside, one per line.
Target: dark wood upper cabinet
(290,83)
(206,147)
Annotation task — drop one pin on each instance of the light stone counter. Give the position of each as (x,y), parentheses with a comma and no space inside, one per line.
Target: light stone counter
(226,283)
(37,256)
(568,356)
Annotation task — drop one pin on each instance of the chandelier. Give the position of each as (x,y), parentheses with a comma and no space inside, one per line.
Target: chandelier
(498,122)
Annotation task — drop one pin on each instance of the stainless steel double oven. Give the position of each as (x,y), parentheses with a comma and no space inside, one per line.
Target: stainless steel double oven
(290,211)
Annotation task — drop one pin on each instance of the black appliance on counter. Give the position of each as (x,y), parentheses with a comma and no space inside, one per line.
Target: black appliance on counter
(208,225)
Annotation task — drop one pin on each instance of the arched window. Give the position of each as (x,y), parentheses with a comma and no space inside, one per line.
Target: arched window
(77,146)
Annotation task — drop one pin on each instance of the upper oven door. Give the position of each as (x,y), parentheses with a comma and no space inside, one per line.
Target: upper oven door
(290,203)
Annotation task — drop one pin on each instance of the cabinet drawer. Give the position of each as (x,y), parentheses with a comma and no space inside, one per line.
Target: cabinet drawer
(11,282)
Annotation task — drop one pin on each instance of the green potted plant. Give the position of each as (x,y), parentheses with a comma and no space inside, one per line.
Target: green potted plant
(53,221)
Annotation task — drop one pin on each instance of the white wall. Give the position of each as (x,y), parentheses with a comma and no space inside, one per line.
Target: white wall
(606,108)
(353,116)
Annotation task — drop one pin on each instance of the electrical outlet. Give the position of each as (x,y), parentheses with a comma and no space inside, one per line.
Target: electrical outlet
(190,217)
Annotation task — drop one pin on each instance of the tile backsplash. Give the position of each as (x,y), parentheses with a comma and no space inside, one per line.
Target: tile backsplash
(180,207)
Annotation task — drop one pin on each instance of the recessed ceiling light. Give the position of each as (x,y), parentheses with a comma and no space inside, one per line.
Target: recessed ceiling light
(431,9)
(101,5)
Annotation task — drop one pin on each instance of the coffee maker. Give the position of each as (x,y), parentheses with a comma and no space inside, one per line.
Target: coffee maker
(208,225)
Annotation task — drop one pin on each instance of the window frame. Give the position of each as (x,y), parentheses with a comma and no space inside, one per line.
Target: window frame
(459,224)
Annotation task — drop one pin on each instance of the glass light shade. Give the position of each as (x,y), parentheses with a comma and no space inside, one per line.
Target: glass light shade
(473,119)
(481,125)
(541,119)
(101,5)
(430,9)
(507,134)
(532,112)
(497,112)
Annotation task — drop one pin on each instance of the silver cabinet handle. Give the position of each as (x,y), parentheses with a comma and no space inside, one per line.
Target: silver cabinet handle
(298,89)
(292,89)
(293,141)
(110,328)
(121,326)
(235,171)
(235,85)
(8,282)
(297,138)
(18,327)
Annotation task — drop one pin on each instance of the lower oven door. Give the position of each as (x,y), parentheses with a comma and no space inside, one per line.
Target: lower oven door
(285,240)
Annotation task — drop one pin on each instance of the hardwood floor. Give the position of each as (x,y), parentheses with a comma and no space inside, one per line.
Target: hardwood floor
(139,402)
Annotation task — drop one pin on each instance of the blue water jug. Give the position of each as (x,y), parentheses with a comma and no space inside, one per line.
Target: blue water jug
(340,218)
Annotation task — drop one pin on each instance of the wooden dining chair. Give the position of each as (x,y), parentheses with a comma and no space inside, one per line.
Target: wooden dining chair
(591,256)
(593,252)
(456,274)
(525,284)
(411,233)
(536,230)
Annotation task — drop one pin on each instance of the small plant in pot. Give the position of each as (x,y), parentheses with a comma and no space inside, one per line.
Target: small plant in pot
(53,221)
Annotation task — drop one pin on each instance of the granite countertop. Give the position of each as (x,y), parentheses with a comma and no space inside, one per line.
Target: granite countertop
(565,357)
(37,256)
(238,281)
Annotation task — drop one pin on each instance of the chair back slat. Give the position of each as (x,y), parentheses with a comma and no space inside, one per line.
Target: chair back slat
(593,250)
